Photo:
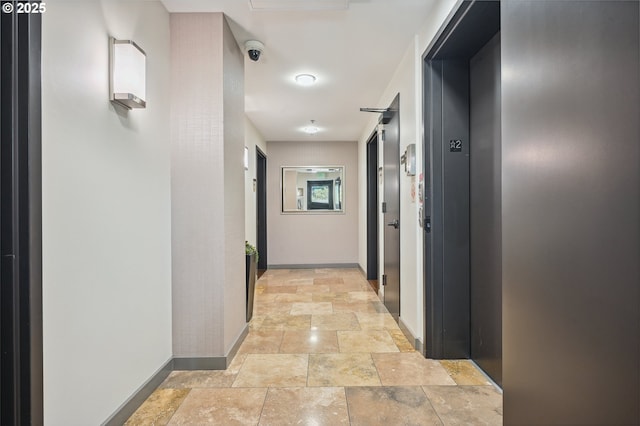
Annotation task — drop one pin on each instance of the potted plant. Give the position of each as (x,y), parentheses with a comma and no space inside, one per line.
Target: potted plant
(252,265)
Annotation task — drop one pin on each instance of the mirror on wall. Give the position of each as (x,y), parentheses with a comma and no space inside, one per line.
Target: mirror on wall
(312,189)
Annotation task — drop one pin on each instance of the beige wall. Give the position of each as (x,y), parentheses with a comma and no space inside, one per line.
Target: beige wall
(316,238)
(207,133)
(106,211)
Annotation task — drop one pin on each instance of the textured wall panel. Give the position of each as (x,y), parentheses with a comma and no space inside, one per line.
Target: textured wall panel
(207,132)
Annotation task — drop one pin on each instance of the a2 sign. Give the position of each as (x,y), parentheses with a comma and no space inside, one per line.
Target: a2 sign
(455,145)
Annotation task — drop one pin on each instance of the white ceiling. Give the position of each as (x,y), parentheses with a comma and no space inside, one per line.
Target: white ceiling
(353,52)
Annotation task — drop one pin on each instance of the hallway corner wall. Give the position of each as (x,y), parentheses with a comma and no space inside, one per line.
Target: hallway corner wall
(106,212)
(404,82)
(233,126)
(207,186)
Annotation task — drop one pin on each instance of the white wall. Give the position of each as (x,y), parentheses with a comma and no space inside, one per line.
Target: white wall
(407,80)
(313,238)
(106,212)
(253,139)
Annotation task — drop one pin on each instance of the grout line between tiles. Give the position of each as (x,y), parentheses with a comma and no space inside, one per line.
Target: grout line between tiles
(264,402)
(373,361)
(344,389)
(179,405)
(431,404)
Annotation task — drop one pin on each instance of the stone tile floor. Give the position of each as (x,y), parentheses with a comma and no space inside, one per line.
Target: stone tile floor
(323,350)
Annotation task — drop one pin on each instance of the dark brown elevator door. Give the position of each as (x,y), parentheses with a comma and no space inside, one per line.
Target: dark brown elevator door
(485,210)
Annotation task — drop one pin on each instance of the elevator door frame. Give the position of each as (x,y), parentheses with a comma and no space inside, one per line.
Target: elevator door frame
(446,215)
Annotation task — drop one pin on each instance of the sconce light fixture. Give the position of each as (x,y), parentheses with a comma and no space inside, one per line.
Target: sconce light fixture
(246,158)
(127,74)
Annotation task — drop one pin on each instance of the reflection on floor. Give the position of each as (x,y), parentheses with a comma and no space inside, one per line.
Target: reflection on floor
(322,350)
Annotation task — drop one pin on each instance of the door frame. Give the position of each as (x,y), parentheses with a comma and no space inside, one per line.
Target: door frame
(447,298)
(21,341)
(261,208)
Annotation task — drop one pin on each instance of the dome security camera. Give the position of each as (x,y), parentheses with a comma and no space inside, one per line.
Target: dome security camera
(254,49)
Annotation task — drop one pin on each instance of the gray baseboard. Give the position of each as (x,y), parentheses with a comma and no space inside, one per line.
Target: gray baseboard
(211,363)
(416,342)
(364,273)
(126,410)
(139,396)
(236,346)
(315,266)
(201,363)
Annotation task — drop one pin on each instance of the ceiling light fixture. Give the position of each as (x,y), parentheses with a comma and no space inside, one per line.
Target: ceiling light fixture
(305,79)
(311,129)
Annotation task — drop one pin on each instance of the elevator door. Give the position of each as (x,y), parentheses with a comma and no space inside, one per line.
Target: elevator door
(449,157)
(485,210)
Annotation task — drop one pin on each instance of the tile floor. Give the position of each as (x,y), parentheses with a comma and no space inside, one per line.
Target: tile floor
(323,350)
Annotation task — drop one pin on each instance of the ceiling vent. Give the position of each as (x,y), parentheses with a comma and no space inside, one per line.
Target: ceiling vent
(268,5)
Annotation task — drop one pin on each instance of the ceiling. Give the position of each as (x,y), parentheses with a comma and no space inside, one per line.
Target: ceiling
(352,51)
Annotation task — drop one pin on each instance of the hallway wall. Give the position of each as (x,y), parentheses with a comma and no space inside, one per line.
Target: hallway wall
(407,80)
(106,212)
(252,139)
(296,239)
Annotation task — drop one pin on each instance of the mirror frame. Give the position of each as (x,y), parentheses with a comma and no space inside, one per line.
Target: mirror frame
(313,211)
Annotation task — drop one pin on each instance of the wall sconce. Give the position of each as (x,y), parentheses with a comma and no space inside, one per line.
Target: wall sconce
(246,158)
(127,74)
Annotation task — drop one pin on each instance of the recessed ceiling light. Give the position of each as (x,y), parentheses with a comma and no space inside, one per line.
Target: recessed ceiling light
(311,129)
(305,79)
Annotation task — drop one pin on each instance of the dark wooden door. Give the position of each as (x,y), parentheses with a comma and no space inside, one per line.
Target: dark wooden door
(372,207)
(261,208)
(391,209)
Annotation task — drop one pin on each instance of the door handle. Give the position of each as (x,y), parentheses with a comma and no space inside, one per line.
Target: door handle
(395,223)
